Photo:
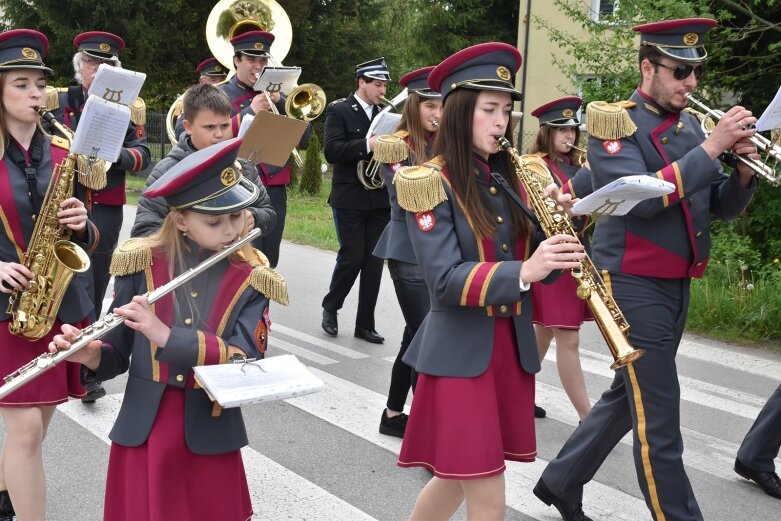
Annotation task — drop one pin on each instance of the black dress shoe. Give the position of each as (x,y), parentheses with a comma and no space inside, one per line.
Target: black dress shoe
(569,511)
(539,412)
(767,481)
(330,325)
(394,426)
(6,508)
(95,391)
(369,335)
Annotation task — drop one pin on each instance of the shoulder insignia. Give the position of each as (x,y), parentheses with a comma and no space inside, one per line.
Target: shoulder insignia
(61,142)
(269,282)
(130,257)
(391,148)
(710,124)
(138,112)
(334,102)
(52,98)
(419,187)
(609,120)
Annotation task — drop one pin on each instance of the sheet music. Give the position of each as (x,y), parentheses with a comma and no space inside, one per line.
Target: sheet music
(771,117)
(102,129)
(275,378)
(118,85)
(383,124)
(620,196)
(246,122)
(277,79)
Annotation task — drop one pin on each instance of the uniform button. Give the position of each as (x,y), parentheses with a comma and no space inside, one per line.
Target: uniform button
(505,248)
(194,294)
(503,309)
(499,219)
(665,140)
(698,234)
(180,378)
(188,321)
(492,190)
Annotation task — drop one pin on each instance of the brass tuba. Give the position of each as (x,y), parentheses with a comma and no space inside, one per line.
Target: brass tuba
(50,256)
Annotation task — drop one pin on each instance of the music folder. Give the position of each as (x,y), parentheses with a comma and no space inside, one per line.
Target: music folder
(620,196)
(271,138)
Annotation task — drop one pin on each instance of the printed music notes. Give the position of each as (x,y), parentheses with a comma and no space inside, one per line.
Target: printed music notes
(117,85)
(620,196)
(771,117)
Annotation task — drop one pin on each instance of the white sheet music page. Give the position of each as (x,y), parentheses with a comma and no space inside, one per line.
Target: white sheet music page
(277,79)
(620,196)
(275,378)
(383,124)
(771,117)
(118,85)
(102,129)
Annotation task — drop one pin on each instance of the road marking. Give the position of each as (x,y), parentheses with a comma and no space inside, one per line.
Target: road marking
(300,351)
(742,361)
(319,342)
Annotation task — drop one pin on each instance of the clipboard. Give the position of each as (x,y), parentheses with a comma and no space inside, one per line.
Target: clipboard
(271,138)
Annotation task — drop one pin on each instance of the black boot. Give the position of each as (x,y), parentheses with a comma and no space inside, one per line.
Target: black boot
(6,508)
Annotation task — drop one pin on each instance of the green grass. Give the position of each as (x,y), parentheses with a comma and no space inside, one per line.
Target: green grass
(309,218)
(134,185)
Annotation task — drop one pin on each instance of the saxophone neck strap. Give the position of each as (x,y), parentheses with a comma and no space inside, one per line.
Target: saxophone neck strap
(30,168)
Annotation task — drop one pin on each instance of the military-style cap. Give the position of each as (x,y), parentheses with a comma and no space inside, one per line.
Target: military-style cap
(682,40)
(562,112)
(23,49)
(99,44)
(211,67)
(375,69)
(207,181)
(253,43)
(417,82)
(485,66)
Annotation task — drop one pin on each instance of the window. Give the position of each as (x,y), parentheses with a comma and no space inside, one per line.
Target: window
(601,9)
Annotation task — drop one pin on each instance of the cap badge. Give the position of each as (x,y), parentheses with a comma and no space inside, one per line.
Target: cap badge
(30,54)
(258,46)
(217,68)
(104,47)
(567,113)
(691,38)
(228,177)
(503,73)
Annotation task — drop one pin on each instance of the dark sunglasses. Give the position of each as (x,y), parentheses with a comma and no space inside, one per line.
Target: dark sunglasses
(681,72)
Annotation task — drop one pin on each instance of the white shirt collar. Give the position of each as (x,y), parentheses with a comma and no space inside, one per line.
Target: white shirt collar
(366,107)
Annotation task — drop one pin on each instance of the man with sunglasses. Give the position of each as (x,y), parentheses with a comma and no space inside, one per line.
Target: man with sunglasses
(648,258)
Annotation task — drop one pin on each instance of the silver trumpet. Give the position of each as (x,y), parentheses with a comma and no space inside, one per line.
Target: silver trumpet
(109,321)
(767,167)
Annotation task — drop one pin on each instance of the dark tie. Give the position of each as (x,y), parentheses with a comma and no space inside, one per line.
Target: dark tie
(375,111)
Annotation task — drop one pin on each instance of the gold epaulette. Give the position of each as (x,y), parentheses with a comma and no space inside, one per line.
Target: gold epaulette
(93,173)
(709,123)
(130,257)
(419,187)
(609,120)
(391,148)
(270,283)
(53,97)
(138,112)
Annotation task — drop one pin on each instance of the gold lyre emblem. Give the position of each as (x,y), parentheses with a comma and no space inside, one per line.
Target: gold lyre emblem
(228,177)
(113,95)
(503,73)
(104,47)
(567,113)
(691,39)
(258,46)
(30,54)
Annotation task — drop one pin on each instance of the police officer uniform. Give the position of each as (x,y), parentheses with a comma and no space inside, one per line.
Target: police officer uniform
(475,348)
(360,215)
(760,447)
(24,181)
(104,202)
(168,436)
(213,69)
(648,257)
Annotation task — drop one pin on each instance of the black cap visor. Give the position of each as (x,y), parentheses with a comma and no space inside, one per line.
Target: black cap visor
(237,197)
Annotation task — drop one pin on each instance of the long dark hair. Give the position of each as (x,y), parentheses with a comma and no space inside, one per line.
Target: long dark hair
(454,144)
(544,143)
(410,121)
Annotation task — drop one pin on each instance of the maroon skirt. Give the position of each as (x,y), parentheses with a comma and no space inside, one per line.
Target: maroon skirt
(465,428)
(52,387)
(162,480)
(557,305)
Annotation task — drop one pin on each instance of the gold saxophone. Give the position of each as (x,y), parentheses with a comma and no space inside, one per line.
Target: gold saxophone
(50,256)
(535,176)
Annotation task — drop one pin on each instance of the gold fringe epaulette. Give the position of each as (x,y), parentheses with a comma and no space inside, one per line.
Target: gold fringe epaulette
(710,124)
(130,257)
(53,97)
(419,187)
(138,112)
(391,148)
(93,173)
(270,283)
(609,120)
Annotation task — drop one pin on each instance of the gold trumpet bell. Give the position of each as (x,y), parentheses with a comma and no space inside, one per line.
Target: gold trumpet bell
(306,102)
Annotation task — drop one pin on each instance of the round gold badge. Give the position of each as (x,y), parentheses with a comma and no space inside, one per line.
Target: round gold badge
(217,68)
(567,113)
(104,47)
(259,46)
(30,54)
(691,38)
(228,177)
(503,73)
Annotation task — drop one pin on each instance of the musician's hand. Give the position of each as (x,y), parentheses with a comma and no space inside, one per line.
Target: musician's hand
(13,276)
(746,148)
(139,316)
(566,201)
(249,222)
(732,126)
(559,252)
(260,103)
(72,214)
(88,355)
(372,140)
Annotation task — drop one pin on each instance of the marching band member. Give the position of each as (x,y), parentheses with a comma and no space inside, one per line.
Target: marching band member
(412,140)
(174,455)
(211,71)
(648,258)
(557,311)
(474,353)
(105,204)
(760,447)
(28,158)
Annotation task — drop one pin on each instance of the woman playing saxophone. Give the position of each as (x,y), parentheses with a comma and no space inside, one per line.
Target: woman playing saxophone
(28,158)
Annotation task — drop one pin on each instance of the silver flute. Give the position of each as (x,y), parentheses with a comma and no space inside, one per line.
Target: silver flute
(109,321)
